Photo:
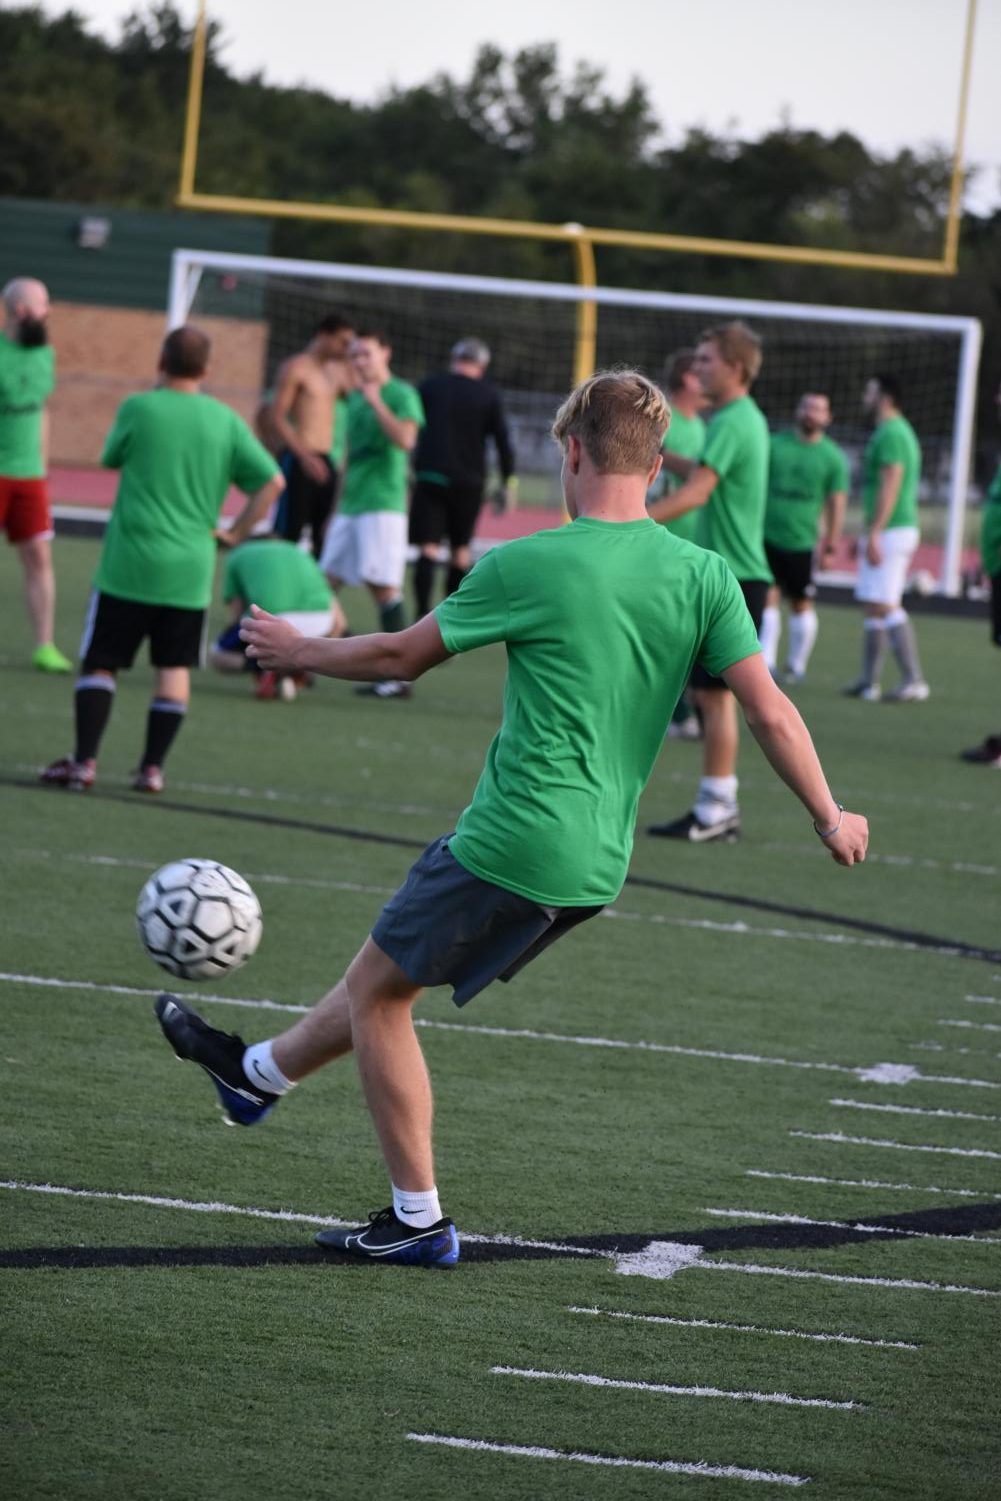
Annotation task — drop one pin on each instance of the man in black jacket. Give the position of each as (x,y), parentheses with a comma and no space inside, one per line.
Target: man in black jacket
(463,410)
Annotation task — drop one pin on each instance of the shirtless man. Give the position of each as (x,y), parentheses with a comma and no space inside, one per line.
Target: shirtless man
(301,418)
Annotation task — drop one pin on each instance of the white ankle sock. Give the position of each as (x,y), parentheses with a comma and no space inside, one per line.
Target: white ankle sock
(261,1069)
(418,1210)
(716,799)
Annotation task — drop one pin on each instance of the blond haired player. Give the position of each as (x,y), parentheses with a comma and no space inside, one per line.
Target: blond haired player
(602,621)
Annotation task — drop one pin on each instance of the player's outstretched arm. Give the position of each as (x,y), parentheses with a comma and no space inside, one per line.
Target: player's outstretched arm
(403,655)
(775,723)
(693,493)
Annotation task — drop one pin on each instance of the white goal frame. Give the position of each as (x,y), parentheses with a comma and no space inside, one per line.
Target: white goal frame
(187,266)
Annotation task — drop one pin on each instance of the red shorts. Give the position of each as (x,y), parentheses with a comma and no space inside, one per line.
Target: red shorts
(24,509)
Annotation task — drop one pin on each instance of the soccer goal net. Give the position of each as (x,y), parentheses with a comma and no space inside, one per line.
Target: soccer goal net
(273,306)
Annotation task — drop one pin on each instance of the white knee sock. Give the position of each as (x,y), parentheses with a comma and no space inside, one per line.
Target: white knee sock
(769,634)
(261,1069)
(802,634)
(418,1210)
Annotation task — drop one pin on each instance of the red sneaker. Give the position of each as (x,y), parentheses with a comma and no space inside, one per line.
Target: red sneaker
(74,776)
(148,779)
(266,685)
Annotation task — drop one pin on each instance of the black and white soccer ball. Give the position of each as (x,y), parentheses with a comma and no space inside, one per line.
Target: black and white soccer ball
(198,919)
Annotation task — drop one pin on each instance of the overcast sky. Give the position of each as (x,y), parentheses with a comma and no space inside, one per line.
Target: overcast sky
(888,70)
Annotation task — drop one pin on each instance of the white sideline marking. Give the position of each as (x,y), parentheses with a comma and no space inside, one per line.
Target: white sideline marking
(899,1146)
(265,878)
(959,867)
(895,1073)
(667,1389)
(926,1188)
(157,1201)
(895,1282)
(665,1466)
(970,1026)
(953,1115)
(983,1000)
(863,1229)
(659,1318)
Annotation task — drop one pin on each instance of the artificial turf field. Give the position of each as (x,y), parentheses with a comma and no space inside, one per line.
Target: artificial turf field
(686,1073)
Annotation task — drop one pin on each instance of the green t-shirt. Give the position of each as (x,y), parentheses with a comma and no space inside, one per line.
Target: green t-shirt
(686,437)
(733,519)
(990,527)
(339,447)
(893,442)
(178,454)
(276,575)
(603,622)
(376,478)
(27,380)
(801,475)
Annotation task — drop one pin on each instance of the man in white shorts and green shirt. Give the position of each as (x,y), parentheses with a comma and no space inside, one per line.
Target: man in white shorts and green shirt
(891,473)
(366,542)
(287,582)
(602,621)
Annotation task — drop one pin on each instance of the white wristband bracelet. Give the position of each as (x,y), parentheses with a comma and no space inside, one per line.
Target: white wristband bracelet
(829,833)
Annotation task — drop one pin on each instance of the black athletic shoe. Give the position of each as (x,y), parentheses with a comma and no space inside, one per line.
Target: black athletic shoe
(987,754)
(221,1056)
(724,830)
(385,1238)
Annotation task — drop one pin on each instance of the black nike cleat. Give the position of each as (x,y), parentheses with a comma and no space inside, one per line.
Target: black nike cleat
(725,830)
(385,1238)
(220,1054)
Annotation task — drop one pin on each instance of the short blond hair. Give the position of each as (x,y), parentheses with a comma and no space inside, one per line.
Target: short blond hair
(738,345)
(620,418)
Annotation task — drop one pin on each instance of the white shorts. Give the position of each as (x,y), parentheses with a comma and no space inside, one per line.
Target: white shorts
(367,549)
(883,583)
(310,622)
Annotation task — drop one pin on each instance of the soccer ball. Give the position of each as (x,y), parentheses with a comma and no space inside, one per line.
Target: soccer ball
(198,919)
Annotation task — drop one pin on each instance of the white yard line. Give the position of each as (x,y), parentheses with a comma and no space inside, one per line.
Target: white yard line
(983,1000)
(903,1283)
(614,1461)
(863,1229)
(874,1183)
(841,1139)
(970,1026)
(658,1318)
(668,1389)
(953,1115)
(880,1073)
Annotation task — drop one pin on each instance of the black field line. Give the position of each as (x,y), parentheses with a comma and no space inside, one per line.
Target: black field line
(871,1183)
(648,1254)
(865,1226)
(669,1389)
(902,937)
(615,1461)
(878,1073)
(839,1138)
(821,1336)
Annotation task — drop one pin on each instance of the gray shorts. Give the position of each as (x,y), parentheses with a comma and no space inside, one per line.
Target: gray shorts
(447,927)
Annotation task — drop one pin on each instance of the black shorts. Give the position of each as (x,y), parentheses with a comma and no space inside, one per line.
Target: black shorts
(116,628)
(996,608)
(447,927)
(305,501)
(793,571)
(755,592)
(438,511)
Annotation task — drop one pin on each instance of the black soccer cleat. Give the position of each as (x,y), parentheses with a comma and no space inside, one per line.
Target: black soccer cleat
(220,1054)
(725,830)
(385,1238)
(986,754)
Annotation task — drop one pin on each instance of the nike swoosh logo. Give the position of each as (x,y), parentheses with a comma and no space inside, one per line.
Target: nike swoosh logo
(260,1073)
